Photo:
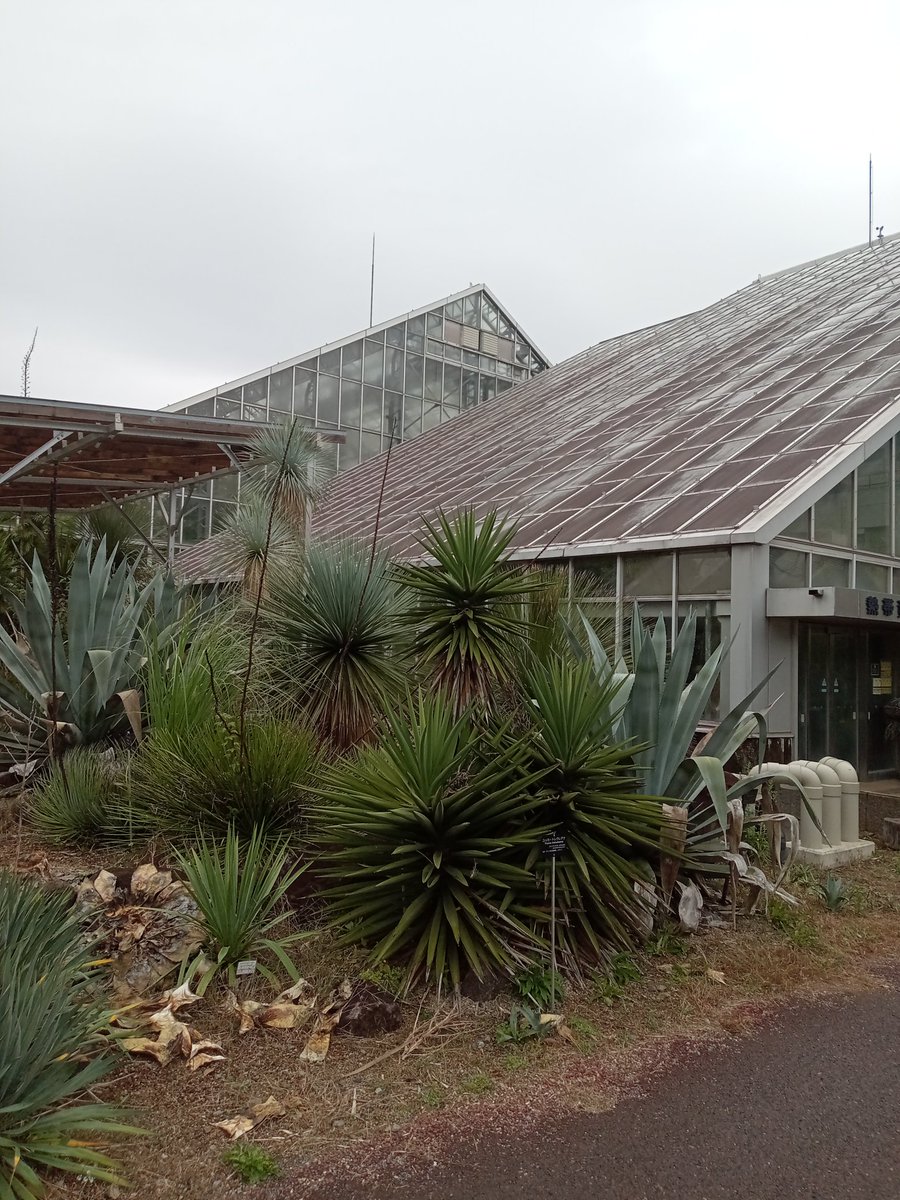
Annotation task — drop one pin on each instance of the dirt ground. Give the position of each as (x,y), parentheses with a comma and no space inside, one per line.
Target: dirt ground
(374,1099)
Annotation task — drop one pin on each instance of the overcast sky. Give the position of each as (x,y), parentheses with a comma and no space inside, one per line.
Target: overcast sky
(190,186)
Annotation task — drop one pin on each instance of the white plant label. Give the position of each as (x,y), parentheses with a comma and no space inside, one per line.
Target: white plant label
(246,966)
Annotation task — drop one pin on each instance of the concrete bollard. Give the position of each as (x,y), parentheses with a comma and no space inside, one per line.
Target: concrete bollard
(849,797)
(832,798)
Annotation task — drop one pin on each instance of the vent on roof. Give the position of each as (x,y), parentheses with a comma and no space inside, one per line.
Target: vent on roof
(470,338)
(489,343)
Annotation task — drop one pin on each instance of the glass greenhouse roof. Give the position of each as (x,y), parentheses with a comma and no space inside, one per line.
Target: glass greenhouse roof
(720,425)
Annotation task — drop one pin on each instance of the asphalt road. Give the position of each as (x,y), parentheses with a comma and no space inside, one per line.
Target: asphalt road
(808,1108)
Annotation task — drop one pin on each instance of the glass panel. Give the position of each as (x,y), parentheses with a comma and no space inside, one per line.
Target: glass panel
(454,310)
(842,731)
(329,458)
(374,368)
(228,404)
(350,402)
(328,400)
(203,408)
(799,527)
(504,369)
(369,446)
(415,365)
(648,574)
(433,373)
(280,391)
(435,325)
(469,389)
(304,392)
(349,452)
(431,415)
(522,354)
(788,568)
(470,358)
(471,306)
(225,487)
(830,572)
(488,364)
(873,502)
(195,519)
(351,363)
(453,353)
(703,571)
(834,514)
(257,392)
(330,362)
(415,334)
(376,337)
(221,514)
(503,385)
(373,402)
(490,318)
(393,373)
(488,388)
(412,416)
(396,336)
(597,572)
(449,411)
(255,412)
(393,414)
(452,377)
(433,347)
(814,690)
(871,577)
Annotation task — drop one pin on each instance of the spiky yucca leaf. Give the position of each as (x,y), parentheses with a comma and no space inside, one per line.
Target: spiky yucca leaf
(426,834)
(339,643)
(239,886)
(288,472)
(590,793)
(49,1043)
(468,618)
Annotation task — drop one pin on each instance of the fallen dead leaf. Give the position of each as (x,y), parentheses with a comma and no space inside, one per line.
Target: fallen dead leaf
(715,976)
(319,1043)
(237,1126)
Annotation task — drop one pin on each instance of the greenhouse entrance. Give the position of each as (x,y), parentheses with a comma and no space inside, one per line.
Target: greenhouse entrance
(847,676)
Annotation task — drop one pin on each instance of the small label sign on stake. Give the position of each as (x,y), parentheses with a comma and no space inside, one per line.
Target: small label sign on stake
(553,844)
(247,966)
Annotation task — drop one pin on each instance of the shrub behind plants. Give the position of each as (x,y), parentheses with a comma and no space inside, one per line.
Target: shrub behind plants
(74,802)
(50,1046)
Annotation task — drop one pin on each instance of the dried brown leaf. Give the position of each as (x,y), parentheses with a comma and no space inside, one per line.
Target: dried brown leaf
(317,1047)
(237,1126)
(715,976)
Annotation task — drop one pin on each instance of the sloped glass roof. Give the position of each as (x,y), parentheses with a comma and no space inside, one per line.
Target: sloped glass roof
(696,429)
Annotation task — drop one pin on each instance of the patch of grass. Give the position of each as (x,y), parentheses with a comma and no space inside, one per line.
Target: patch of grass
(477,1084)
(72,804)
(390,979)
(251,1163)
(609,986)
(666,943)
(758,839)
(793,925)
(536,985)
(513,1062)
(803,876)
(434,1096)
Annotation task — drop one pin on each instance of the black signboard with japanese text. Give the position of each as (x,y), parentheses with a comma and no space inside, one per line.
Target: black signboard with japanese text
(553,844)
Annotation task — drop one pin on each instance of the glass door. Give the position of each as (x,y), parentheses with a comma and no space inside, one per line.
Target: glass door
(880,685)
(829,670)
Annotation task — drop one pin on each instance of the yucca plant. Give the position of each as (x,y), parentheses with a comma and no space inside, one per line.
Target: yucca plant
(589,792)
(260,538)
(200,779)
(467,607)
(50,1047)
(288,471)
(425,836)
(239,886)
(73,802)
(339,645)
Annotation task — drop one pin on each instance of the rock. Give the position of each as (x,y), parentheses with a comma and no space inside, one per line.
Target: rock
(370,1011)
(494,984)
(891,832)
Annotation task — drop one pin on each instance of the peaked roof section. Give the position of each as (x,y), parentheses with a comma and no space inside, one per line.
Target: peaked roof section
(716,426)
(298,359)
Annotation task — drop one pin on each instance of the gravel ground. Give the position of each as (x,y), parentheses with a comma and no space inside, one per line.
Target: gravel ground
(807,1108)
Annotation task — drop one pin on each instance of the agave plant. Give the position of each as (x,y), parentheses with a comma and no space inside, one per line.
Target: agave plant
(335,617)
(50,1047)
(79,679)
(426,835)
(468,618)
(590,794)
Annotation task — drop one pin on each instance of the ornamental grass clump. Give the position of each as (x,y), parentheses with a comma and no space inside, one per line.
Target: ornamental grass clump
(51,1047)
(75,800)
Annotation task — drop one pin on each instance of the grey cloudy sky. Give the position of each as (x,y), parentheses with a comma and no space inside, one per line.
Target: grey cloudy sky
(190,186)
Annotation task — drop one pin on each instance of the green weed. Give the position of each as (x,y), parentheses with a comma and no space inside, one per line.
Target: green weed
(251,1163)
(477,1085)
(665,943)
(389,979)
(434,1096)
(536,985)
(793,925)
(513,1061)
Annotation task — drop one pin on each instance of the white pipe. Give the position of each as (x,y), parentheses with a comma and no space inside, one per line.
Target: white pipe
(812,786)
(831,799)
(849,797)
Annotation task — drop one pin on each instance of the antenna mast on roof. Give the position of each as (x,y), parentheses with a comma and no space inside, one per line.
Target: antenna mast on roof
(870,204)
(372,286)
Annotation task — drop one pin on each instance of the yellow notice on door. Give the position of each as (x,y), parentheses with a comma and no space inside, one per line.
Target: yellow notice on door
(882,678)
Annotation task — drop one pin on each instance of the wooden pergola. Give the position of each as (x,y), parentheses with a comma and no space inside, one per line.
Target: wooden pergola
(92,455)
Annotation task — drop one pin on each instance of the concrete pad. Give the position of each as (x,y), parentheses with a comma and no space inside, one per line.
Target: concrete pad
(826,858)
